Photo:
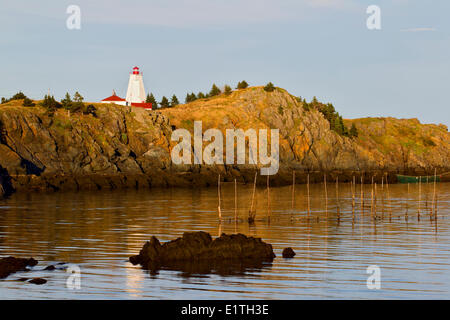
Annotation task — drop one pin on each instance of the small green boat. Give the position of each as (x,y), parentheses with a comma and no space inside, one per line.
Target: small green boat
(412,179)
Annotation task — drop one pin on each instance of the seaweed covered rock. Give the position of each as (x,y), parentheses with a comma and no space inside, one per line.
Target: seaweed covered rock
(200,247)
(10,265)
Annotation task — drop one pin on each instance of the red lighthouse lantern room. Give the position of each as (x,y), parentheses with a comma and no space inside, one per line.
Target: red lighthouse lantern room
(135,70)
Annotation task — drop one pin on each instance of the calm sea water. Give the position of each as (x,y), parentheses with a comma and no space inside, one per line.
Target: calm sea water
(99,231)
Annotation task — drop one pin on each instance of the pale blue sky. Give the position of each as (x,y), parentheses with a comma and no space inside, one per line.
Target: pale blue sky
(309,47)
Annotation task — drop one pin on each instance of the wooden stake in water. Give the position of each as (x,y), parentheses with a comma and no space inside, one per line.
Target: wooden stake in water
(218,192)
(252,213)
(353,193)
(268,199)
(433,205)
(375,201)
(235,201)
(362,194)
(326,193)
(371,199)
(389,198)
(382,197)
(309,203)
(293,193)
(407,205)
(420,196)
(337,198)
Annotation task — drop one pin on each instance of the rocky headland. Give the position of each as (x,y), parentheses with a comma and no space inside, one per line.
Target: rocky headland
(122,147)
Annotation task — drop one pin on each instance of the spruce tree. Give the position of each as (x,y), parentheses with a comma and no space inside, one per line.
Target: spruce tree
(77,104)
(174,102)
(67,102)
(242,85)
(353,131)
(214,91)
(151,99)
(201,95)
(50,103)
(77,97)
(269,87)
(228,90)
(164,102)
(190,97)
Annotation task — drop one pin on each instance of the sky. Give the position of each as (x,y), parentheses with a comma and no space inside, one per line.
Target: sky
(311,48)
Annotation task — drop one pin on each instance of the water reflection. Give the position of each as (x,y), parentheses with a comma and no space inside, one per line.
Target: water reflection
(99,231)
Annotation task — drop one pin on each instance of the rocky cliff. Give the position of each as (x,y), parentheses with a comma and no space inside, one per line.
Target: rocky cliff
(126,147)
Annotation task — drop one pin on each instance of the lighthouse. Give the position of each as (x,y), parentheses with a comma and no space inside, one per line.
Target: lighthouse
(136,91)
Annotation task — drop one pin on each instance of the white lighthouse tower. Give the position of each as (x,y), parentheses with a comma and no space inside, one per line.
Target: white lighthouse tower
(136,91)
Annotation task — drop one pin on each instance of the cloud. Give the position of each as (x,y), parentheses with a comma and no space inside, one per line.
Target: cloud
(419,30)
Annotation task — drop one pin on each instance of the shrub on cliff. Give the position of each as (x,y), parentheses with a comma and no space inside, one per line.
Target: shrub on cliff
(242,85)
(269,87)
(18,96)
(27,102)
(90,109)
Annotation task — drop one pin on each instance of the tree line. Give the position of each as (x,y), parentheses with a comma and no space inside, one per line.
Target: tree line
(49,102)
(76,104)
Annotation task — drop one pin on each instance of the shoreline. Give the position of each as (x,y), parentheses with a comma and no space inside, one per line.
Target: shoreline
(11,184)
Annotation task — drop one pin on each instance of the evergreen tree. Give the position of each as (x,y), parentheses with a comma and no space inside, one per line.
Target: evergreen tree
(67,102)
(151,99)
(201,95)
(228,90)
(3,100)
(190,97)
(50,103)
(353,131)
(242,85)
(77,104)
(164,102)
(269,87)
(174,102)
(336,125)
(215,91)
(77,97)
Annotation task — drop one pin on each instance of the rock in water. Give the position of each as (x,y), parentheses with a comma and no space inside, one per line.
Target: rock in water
(288,253)
(38,281)
(200,248)
(10,265)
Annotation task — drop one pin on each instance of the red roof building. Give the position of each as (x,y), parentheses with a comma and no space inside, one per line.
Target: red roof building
(114,99)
